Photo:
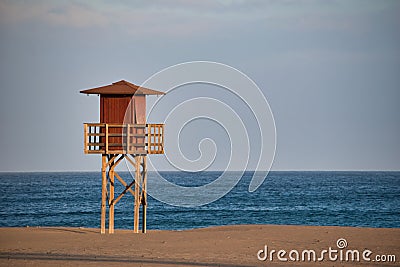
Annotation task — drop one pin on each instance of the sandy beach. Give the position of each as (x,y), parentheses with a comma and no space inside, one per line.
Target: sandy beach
(215,246)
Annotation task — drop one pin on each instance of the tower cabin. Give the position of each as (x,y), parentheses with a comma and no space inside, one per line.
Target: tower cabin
(122,127)
(123,133)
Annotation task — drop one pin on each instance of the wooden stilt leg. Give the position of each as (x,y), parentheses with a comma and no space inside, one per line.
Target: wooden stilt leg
(103,194)
(111,197)
(137,195)
(139,191)
(144,196)
(144,211)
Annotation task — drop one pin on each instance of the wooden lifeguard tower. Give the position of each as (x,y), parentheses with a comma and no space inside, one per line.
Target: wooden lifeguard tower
(123,134)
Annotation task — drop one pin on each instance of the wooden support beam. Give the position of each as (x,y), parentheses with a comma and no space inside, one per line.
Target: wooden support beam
(144,195)
(124,184)
(111,159)
(103,194)
(111,199)
(133,163)
(128,187)
(144,214)
(115,164)
(137,195)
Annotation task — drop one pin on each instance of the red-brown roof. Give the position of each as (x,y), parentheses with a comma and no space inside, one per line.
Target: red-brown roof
(121,88)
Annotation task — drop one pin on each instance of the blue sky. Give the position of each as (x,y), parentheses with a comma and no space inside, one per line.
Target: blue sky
(329,69)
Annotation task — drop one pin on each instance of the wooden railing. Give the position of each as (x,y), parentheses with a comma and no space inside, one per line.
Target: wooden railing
(137,139)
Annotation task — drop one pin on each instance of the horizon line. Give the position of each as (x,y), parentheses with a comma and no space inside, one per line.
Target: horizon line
(287,170)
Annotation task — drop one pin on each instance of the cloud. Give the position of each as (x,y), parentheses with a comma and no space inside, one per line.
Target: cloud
(143,18)
(55,13)
(189,17)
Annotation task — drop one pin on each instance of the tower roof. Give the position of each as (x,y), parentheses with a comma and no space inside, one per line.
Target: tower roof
(121,88)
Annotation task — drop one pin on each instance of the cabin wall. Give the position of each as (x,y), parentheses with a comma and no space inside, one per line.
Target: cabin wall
(117,109)
(140,118)
(140,109)
(113,108)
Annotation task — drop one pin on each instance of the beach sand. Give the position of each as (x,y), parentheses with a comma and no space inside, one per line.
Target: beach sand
(215,246)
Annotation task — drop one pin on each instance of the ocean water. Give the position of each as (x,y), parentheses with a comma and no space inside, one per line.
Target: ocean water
(367,199)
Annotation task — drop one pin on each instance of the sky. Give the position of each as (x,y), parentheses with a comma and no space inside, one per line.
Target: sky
(330,71)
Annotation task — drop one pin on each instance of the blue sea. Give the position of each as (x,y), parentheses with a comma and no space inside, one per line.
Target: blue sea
(366,199)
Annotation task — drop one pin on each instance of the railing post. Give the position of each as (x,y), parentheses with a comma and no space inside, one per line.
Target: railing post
(148,138)
(106,148)
(162,137)
(85,150)
(159,139)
